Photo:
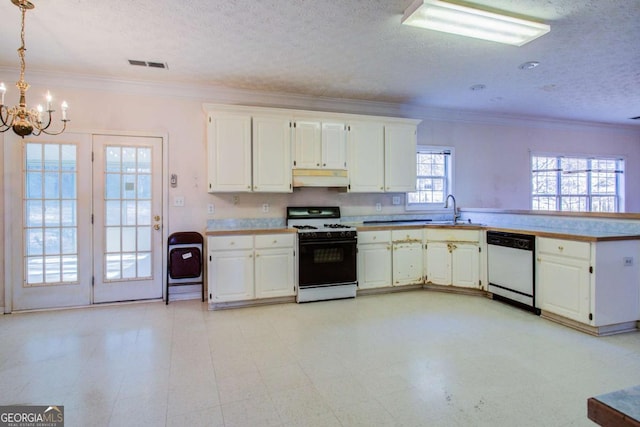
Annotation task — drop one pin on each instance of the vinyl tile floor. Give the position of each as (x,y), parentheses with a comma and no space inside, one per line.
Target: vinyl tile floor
(418,358)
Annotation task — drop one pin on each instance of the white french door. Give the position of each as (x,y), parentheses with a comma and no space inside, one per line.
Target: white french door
(127,229)
(91,230)
(53,246)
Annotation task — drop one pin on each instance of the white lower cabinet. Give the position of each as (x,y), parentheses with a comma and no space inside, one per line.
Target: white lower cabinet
(374,259)
(389,258)
(594,283)
(274,265)
(452,257)
(407,257)
(251,267)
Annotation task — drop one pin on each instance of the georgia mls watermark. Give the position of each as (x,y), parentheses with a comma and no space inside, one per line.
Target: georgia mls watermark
(31,416)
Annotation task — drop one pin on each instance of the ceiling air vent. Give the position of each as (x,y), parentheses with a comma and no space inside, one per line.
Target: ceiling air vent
(150,64)
(635,118)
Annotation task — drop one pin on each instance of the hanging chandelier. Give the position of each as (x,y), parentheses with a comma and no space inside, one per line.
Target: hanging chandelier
(25,121)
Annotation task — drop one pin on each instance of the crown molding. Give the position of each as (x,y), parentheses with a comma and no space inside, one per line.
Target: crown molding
(232,96)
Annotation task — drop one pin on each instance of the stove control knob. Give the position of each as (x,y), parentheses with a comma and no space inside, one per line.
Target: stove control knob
(313,235)
(344,233)
(328,234)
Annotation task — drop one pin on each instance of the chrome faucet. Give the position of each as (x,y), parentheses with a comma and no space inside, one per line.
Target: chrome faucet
(455,211)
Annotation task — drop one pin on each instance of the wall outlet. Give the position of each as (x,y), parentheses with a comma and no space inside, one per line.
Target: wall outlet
(395,200)
(211,209)
(378,207)
(627,261)
(265,207)
(178,201)
(235,199)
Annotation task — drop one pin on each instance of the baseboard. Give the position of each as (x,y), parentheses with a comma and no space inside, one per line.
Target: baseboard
(387,290)
(597,331)
(456,290)
(250,303)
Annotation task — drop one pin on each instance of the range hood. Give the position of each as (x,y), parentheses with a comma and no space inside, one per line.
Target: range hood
(320,178)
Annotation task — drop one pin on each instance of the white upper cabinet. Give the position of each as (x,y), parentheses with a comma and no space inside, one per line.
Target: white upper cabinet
(319,144)
(255,149)
(229,152)
(366,157)
(307,144)
(272,154)
(334,145)
(400,144)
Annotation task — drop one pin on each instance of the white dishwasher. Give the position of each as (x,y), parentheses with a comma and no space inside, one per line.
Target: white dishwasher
(511,269)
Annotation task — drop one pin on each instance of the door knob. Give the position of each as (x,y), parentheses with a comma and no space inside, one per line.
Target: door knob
(156,218)
(156,226)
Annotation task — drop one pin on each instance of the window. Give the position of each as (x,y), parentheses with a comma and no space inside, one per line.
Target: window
(577,184)
(50,205)
(434,166)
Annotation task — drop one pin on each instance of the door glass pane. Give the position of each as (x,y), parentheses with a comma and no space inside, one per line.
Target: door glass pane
(127,194)
(50,206)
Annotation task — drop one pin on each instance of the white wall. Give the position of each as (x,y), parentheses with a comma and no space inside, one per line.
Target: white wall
(491,159)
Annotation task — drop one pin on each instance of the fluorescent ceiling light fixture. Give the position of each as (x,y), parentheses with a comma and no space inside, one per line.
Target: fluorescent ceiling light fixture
(469,22)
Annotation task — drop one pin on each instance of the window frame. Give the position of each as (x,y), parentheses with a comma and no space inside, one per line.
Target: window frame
(449,181)
(589,196)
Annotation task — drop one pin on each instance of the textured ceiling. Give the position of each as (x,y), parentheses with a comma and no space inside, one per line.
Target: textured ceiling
(355,49)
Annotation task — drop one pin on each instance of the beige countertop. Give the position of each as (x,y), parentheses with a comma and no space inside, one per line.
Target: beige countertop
(589,236)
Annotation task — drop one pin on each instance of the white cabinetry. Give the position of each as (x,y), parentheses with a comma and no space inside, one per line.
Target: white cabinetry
(274,265)
(366,157)
(319,144)
(230,269)
(374,259)
(245,267)
(229,152)
(238,162)
(407,257)
(271,154)
(452,257)
(400,143)
(593,283)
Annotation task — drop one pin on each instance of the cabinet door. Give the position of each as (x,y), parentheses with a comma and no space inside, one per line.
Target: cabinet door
(229,152)
(334,145)
(366,157)
(465,265)
(564,287)
(274,273)
(438,263)
(400,143)
(231,275)
(307,144)
(272,154)
(407,263)
(374,265)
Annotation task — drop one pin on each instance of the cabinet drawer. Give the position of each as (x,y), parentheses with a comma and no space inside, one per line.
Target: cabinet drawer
(366,237)
(275,240)
(406,235)
(230,242)
(451,235)
(568,248)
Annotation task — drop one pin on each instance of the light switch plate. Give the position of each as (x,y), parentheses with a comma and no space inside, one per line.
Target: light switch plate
(178,201)
(211,209)
(378,207)
(395,200)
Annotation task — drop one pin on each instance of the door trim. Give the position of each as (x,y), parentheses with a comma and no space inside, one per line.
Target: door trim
(12,176)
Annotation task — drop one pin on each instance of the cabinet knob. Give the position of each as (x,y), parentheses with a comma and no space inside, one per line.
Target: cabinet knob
(539,259)
(324,164)
(248,187)
(275,241)
(317,164)
(561,248)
